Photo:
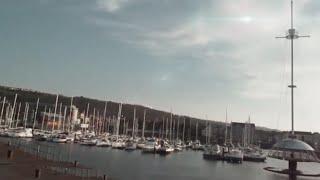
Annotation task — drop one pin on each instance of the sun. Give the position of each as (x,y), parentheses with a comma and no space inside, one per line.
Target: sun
(246,19)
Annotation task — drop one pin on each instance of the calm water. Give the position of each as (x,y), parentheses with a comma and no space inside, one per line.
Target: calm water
(185,165)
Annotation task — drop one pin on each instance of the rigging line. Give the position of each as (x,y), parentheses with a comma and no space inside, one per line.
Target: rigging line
(284,91)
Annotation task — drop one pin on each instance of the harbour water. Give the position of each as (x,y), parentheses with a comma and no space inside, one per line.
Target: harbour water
(186,165)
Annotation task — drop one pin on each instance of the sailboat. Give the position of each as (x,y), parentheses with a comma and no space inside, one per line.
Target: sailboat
(118,143)
(151,146)
(250,152)
(234,155)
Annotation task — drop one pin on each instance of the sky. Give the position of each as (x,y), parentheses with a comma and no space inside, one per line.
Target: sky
(196,58)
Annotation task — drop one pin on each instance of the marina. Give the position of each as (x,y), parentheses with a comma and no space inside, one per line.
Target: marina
(121,164)
(151,80)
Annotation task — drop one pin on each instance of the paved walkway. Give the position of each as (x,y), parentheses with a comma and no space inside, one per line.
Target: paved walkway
(23,166)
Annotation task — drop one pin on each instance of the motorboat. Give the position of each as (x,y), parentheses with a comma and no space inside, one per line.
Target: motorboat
(60,138)
(118,144)
(20,133)
(150,146)
(89,142)
(103,143)
(254,155)
(234,156)
(213,153)
(130,146)
(140,144)
(197,145)
(165,148)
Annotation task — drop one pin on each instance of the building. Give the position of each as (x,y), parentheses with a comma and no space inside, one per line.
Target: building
(242,133)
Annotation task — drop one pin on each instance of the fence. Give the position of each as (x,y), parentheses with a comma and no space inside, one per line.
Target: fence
(54,154)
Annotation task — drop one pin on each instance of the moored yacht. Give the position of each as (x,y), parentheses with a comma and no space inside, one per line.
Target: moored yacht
(151,146)
(60,138)
(103,143)
(118,144)
(165,148)
(213,153)
(20,133)
(234,156)
(197,145)
(130,145)
(89,142)
(254,155)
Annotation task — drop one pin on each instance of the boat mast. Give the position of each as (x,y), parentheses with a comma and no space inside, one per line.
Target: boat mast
(59,119)
(35,114)
(55,111)
(173,129)
(134,121)
(93,120)
(104,116)
(18,115)
(87,117)
(13,108)
(291,35)
(144,121)
(154,122)
(70,115)
(49,117)
(2,108)
(162,130)
(43,117)
(197,130)
(226,128)
(207,129)
(118,120)
(184,127)
(124,126)
(167,128)
(64,118)
(170,126)
(178,127)
(26,111)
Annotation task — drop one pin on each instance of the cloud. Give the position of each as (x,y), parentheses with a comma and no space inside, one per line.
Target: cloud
(231,46)
(111,5)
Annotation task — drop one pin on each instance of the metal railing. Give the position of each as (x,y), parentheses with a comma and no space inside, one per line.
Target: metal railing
(61,164)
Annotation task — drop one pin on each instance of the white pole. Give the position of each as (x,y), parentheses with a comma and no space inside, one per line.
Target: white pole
(64,117)
(104,115)
(18,115)
(35,114)
(43,117)
(59,119)
(55,111)
(3,103)
(70,115)
(144,121)
(13,108)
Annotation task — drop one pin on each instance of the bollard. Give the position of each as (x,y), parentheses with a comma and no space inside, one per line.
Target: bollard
(37,173)
(104,177)
(10,154)
(76,163)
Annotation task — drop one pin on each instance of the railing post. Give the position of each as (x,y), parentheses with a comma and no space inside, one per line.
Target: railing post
(76,163)
(10,154)
(37,173)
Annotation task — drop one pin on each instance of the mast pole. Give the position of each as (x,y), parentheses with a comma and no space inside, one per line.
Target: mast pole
(54,115)
(35,114)
(292,86)
(292,35)
(2,108)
